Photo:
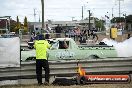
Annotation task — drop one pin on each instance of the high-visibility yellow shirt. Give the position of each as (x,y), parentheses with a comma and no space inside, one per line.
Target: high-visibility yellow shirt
(41,47)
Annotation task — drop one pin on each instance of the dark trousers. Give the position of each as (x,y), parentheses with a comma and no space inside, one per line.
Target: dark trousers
(39,64)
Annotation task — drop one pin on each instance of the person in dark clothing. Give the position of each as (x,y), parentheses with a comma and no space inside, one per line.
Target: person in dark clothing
(93,34)
(58,31)
(128,36)
(48,31)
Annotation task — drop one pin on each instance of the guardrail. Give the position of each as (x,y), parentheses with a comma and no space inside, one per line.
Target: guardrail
(69,68)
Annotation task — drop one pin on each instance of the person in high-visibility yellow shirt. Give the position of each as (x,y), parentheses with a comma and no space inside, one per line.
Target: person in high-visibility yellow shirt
(41,46)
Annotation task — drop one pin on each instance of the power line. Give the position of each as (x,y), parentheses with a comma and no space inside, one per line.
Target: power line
(79,8)
(59,8)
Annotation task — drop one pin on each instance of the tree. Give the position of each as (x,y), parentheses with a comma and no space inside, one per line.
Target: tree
(25,24)
(117,20)
(15,25)
(129,19)
(99,24)
(18,23)
(128,22)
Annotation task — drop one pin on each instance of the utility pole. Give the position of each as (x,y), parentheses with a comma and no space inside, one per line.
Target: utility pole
(120,8)
(39,17)
(120,11)
(89,21)
(82,12)
(125,20)
(88,25)
(42,2)
(112,13)
(34,15)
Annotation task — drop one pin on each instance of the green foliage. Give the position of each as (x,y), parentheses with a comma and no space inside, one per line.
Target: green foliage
(129,19)
(117,20)
(25,22)
(99,24)
(18,24)
(25,25)
(122,19)
(13,26)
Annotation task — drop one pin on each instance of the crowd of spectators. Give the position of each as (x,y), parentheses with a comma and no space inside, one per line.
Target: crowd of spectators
(77,33)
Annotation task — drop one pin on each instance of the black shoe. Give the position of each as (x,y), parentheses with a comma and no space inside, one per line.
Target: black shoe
(40,84)
(46,83)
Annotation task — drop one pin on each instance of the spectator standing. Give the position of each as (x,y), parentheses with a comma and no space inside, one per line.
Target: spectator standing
(93,34)
(77,32)
(58,31)
(48,32)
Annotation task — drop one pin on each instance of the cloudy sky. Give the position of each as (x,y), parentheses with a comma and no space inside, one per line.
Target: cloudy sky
(63,9)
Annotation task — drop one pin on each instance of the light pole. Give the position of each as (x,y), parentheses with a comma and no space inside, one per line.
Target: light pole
(82,12)
(125,20)
(89,19)
(124,14)
(34,14)
(120,7)
(42,2)
(88,25)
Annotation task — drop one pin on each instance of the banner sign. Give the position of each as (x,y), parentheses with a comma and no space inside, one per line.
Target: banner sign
(10,52)
(107,78)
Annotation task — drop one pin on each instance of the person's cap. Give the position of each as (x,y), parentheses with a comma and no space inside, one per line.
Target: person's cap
(40,37)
